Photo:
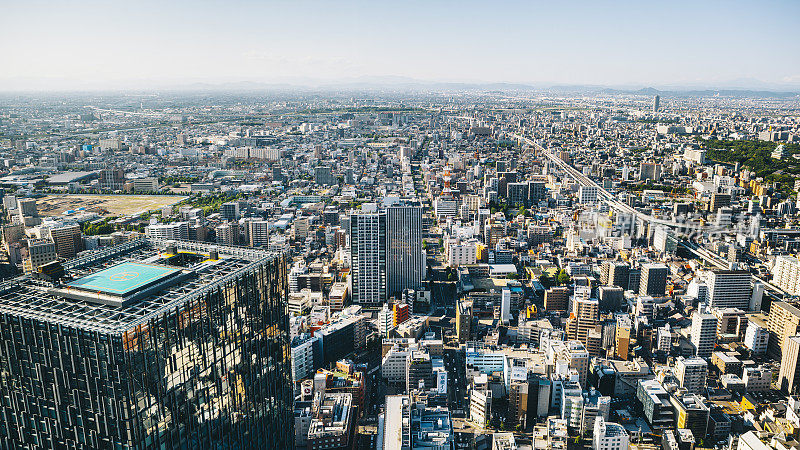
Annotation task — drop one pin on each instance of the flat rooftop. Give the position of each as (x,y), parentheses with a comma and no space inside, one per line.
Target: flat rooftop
(124,279)
(96,285)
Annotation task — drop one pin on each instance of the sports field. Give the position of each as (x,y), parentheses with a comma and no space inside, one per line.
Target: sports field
(105,205)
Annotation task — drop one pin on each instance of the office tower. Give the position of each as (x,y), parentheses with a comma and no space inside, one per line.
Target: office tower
(556,299)
(40,252)
(385,321)
(650,171)
(691,373)
(665,240)
(622,337)
(368,258)
(518,194)
(614,273)
(729,289)
(537,190)
(112,179)
(656,103)
(634,278)
(786,274)
(653,280)
(731,322)
(68,239)
(588,195)
(257,233)
(277,173)
(405,257)
(611,297)
(658,410)
(698,290)
(306,356)
(230,211)
(704,333)
(505,305)
(719,200)
(757,297)
(323,175)
(691,413)
(143,354)
(789,375)
(26,207)
(584,316)
(503,179)
(783,322)
(419,370)
(463,320)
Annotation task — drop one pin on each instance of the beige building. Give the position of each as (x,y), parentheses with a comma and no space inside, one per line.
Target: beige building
(789,376)
(40,252)
(783,322)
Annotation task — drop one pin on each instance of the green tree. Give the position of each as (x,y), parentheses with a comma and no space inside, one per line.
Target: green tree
(563,277)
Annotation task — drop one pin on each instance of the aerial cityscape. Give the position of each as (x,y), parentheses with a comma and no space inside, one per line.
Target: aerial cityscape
(341,250)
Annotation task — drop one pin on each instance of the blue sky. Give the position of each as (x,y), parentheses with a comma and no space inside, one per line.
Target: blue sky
(99,43)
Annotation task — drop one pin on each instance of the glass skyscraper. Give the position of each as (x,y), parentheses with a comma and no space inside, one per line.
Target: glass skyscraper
(150,344)
(405,257)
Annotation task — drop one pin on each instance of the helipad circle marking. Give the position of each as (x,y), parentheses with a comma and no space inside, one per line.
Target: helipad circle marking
(123,276)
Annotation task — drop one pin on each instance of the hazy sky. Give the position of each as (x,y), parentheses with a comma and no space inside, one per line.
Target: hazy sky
(62,44)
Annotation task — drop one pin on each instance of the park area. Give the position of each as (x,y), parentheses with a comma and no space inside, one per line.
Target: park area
(104,205)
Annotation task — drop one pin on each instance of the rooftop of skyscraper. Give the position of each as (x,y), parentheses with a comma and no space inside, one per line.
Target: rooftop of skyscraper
(113,289)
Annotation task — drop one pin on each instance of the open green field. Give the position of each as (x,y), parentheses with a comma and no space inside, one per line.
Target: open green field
(105,205)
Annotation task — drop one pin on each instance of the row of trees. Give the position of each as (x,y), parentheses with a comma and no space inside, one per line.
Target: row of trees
(97,228)
(562,278)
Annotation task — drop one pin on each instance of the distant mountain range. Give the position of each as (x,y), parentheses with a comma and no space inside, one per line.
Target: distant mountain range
(394,84)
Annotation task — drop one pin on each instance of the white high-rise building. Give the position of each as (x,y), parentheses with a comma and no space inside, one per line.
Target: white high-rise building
(756,337)
(691,373)
(729,289)
(609,436)
(303,364)
(704,333)
(170,231)
(664,341)
(385,321)
(460,252)
(697,289)
(505,305)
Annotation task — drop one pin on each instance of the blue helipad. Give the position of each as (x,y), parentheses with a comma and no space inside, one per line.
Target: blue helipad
(124,279)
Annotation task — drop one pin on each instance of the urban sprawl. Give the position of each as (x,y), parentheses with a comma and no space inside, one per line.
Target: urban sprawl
(375,270)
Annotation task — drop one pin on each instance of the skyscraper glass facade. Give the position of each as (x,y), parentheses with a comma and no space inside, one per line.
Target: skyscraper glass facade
(202,364)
